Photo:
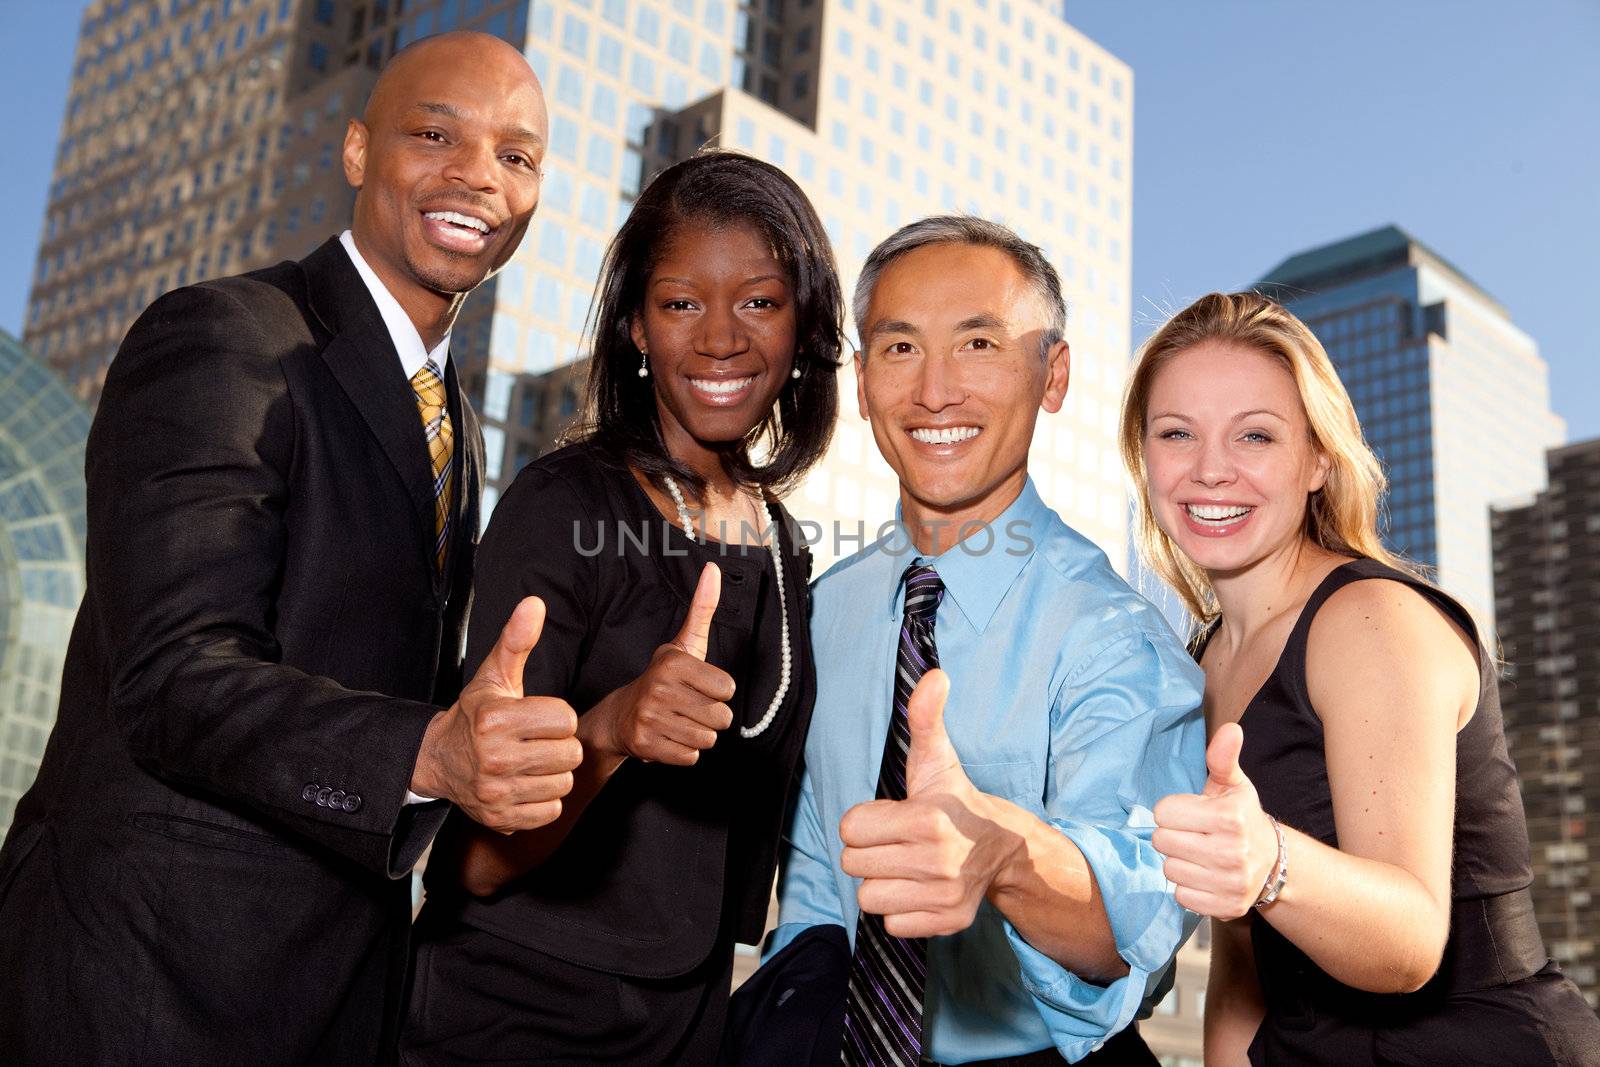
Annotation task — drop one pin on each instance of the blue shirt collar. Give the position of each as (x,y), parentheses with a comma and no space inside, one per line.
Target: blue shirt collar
(978,571)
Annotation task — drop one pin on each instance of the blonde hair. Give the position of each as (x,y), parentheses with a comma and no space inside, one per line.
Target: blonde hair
(1341,517)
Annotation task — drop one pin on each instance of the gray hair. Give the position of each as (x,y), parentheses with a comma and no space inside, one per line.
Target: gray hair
(967,230)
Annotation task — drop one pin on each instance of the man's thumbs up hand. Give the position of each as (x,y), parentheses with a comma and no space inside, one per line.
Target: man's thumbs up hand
(931,761)
(1219,844)
(928,860)
(503,758)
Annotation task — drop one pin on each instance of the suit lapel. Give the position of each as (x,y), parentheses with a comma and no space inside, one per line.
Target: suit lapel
(364,361)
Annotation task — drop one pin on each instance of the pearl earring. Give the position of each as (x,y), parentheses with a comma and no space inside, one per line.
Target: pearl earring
(644,364)
(795,373)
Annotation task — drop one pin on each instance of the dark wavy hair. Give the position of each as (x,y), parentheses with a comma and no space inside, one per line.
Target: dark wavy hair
(718,189)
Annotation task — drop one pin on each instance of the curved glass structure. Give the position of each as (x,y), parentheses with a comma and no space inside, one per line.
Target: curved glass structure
(43,429)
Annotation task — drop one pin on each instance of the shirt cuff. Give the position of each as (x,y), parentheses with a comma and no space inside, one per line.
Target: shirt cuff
(1146,923)
(418,798)
(781,936)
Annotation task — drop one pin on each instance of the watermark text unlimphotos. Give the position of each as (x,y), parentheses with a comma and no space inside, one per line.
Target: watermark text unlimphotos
(840,538)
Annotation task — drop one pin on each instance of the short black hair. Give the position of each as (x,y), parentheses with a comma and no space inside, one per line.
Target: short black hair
(718,188)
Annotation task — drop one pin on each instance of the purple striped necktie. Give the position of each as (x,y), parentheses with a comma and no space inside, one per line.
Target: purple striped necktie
(883,1016)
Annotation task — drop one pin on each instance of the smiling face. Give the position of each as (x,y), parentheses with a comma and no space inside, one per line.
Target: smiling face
(718,323)
(1228,455)
(447,160)
(951,379)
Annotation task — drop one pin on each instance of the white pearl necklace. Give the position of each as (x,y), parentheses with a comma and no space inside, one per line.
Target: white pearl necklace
(759,728)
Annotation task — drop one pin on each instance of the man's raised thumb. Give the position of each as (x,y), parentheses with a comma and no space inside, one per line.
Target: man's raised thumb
(925,719)
(503,667)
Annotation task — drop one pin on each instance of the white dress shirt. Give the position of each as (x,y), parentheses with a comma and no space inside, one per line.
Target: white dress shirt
(402,331)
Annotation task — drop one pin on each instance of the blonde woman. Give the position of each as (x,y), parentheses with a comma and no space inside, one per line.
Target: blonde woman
(1360,837)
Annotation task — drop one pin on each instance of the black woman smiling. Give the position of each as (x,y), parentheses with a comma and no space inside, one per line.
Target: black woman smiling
(676,590)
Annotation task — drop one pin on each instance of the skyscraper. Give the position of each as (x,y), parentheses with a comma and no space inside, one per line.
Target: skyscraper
(42,433)
(1452,396)
(1547,590)
(202,138)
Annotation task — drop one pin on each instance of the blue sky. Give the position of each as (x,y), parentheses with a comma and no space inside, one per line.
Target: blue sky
(1260,129)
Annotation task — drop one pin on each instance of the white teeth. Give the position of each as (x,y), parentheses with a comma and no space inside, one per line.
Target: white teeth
(459,219)
(1217,512)
(950,436)
(721,386)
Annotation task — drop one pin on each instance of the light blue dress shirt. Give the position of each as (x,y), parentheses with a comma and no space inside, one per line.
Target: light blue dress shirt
(1071,697)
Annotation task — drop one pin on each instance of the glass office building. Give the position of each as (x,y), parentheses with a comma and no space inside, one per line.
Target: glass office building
(1453,397)
(43,429)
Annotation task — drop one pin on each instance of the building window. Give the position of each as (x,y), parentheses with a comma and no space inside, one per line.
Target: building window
(564,138)
(569,86)
(642,74)
(647,27)
(608,57)
(575,36)
(600,156)
(678,44)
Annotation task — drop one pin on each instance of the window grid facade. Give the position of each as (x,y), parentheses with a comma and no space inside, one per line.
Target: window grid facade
(1547,589)
(877,139)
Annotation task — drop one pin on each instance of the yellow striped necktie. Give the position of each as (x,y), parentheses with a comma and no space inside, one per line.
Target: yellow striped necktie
(428,385)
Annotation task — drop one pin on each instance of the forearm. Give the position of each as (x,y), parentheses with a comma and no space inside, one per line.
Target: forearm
(227,722)
(1234,1007)
(1047,891)
(1369,924)
(490,860)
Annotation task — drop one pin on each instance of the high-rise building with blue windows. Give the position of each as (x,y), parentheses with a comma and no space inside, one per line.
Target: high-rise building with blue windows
(1453,397)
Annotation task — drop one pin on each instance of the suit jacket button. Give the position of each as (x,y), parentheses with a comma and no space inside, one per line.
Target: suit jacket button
(336,799)
(322,796)
(309,793)
(351,803)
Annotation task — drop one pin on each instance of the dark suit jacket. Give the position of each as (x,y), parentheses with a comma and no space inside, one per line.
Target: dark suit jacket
(211,867)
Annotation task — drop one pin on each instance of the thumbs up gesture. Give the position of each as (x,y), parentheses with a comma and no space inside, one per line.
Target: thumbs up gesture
(674,710)
(504,758)
(1220,845)
(928,860)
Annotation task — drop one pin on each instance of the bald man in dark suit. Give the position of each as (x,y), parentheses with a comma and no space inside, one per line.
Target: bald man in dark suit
(262,722)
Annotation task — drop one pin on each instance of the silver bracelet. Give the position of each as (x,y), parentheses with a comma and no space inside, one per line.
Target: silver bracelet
(1280,871)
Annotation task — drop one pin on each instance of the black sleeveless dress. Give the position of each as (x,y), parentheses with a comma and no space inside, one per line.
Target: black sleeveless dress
(1497,998)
